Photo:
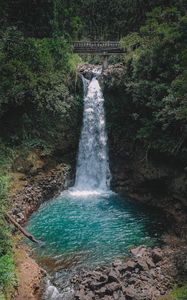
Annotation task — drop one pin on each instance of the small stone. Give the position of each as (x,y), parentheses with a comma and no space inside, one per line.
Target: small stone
(116,296)
(112,276)
(130,294)
(128,266)
(112,287)
(80,295)
(101,291)
(150,263)
(138,251)
(117,263)
(142,265)
(96,285)
(106,297)
(156,255)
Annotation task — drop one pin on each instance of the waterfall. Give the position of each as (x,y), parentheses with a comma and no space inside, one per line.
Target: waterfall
(92,172)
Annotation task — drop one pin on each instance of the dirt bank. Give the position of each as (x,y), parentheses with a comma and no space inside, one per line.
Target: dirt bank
(28,192)
(29,275)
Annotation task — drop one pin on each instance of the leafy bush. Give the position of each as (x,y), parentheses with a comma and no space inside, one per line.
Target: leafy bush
(36,89)
(177,294)
(7,268)
(38,109)
(7,272)
(180,293)
(4,182)
(156,79)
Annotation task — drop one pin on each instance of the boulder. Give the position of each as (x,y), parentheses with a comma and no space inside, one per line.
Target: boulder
(101,292)
(128,266)
(130,293)
(112,287)
(142,265)
(113,276)
(150,262)
(138,251)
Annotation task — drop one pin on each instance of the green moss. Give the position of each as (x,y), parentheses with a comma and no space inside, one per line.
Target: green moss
(7,272)
(177,294)
(2,296)
(180,293)
(7,267)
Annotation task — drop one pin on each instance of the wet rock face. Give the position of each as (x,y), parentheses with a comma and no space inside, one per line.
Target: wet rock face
(110,75)
(149,181)
(39,189)
(89,70)
(156,179)
(147,275)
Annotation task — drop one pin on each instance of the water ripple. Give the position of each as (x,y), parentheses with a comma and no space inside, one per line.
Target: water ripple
(92,229)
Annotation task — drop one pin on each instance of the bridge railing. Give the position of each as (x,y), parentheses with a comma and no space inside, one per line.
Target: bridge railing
(97,44)
(97,47)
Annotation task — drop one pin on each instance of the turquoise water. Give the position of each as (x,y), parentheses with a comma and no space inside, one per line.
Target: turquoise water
(92,229)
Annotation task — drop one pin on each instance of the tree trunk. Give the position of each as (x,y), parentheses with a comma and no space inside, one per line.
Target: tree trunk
(20,228)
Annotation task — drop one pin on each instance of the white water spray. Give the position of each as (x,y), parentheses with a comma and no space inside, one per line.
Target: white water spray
(92,173)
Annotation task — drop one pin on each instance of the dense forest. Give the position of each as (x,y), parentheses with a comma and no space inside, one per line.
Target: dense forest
(40,93)
(154,83)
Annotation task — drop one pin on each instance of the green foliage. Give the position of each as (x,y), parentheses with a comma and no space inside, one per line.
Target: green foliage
(35,89)
(177,294)
(38,109)
(180,293)
(156,79)
(7,272)
(3,187)
(36,143)
(7,268)
(6,157)
(104,19)
(32,17)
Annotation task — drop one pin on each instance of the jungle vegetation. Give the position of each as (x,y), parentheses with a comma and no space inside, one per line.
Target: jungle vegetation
(40,104)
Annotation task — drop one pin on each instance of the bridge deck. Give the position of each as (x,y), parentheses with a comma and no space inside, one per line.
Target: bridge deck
(108,47)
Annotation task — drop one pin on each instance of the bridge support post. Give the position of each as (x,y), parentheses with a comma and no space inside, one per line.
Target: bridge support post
(105,63)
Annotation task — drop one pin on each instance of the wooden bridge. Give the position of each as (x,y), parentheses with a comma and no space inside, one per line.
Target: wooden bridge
(102,47)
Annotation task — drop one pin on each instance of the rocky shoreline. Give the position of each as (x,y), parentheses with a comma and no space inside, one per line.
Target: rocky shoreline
(37,189)
(139,278)
(146,274)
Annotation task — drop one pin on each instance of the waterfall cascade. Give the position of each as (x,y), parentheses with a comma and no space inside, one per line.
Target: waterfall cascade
(93,173)
(94,232)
